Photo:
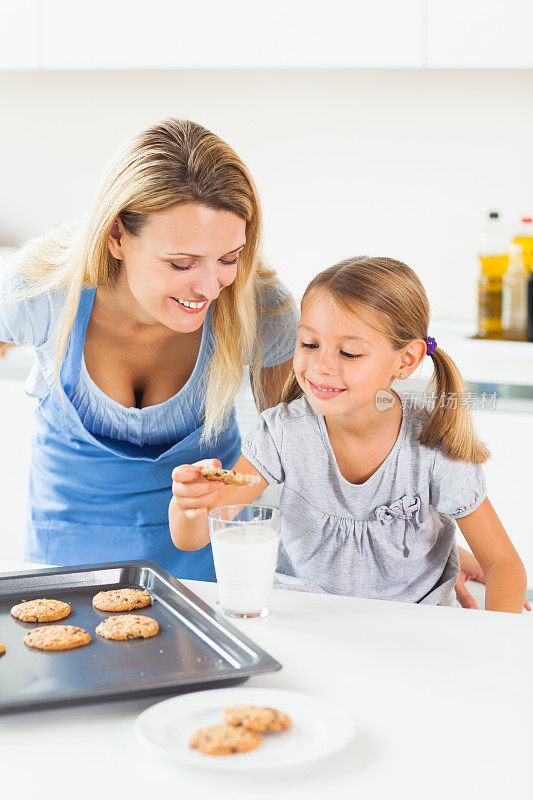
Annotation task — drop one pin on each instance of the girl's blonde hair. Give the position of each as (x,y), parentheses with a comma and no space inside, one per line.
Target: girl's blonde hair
(170,163)
(393,291)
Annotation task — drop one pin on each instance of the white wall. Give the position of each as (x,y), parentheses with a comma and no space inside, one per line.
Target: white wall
(392,162)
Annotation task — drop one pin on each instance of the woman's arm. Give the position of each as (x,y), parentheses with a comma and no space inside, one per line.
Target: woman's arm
(267,383)
(505,575)
(193,496)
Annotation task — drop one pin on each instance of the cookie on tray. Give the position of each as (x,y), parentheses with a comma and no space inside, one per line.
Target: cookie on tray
(41,610)
(229,477)
(121,600)
(223,740)
(256,718)
(2,649)
(128,626)
(57,637)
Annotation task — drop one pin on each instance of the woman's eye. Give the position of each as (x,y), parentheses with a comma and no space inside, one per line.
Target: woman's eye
(307,344)
(184,269)
(349,355)
(181,269)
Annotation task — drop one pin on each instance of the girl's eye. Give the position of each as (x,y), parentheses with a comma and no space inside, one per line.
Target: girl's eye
(228,263)
(310,346)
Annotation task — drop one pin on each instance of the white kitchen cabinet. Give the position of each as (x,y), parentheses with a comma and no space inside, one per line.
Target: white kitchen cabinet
(169,34)
(19,34)
(509,436)
(131,34)
(480,33)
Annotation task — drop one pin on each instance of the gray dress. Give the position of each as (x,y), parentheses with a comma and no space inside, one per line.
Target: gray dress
(391,537)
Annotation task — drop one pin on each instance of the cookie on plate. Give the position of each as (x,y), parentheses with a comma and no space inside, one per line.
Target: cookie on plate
(256,718)
(41,610)
(128,626)
(57,637)
(223,740)
(229,477)
(2,649)
(121,600)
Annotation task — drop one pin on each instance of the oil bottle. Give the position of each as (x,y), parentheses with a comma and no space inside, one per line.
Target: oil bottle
(524,237)
(494,261)
(514,296)
(530,307)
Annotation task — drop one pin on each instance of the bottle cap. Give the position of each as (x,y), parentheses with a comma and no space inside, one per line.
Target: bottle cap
(494,214)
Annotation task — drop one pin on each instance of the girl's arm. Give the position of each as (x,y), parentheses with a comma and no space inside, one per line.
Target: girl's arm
(505,576)
(193,496)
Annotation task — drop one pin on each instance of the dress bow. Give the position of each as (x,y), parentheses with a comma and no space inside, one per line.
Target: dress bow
(406,508)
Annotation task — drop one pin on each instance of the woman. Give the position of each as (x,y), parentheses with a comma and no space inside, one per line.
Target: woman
(143,318)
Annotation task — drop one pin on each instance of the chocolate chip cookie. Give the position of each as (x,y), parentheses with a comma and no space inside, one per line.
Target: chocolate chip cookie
(57,637)
(224,740)
(229,477)
(128,626)
(121,600)
(256,718)
(41,610)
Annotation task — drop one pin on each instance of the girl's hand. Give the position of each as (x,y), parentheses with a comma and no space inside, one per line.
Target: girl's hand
(192,493)
(470,571)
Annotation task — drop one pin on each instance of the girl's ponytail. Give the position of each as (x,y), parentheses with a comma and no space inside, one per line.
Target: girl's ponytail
(450,423)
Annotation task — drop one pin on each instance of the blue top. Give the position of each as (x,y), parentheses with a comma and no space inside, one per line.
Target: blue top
(32,321)
(103,496)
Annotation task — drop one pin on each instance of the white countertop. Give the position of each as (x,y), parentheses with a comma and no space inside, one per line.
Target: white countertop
(442,699)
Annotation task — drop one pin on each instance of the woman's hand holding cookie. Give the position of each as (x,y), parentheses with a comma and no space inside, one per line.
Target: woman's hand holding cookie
(191,492)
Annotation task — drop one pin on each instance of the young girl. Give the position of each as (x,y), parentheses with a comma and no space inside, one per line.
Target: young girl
(372,483)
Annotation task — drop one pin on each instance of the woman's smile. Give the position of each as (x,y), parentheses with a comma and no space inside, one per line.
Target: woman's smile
(189,306)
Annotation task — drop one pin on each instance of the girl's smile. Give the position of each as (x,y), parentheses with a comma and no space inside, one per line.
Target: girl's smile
(324,392)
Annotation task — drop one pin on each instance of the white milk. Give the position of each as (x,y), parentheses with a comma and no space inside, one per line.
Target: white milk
(245,562)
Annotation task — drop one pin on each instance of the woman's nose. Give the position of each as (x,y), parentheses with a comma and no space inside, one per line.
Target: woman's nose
(207,284)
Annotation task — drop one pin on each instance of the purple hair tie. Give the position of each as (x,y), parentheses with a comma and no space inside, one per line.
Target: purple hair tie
(431,345)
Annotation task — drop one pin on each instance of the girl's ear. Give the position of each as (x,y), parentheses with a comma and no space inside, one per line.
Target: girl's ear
(411,357)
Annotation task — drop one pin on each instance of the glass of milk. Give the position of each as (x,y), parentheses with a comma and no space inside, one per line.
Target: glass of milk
(245,548)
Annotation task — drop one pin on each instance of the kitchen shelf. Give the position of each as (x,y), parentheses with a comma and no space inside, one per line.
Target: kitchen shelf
(488,363)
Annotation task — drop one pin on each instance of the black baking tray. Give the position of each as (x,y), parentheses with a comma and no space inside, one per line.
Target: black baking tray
(196,647)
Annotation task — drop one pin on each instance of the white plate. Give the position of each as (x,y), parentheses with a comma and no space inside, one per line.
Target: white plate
(318,728)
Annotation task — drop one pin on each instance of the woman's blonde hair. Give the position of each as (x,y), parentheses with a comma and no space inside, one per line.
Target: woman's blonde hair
(168,164)
(393,291)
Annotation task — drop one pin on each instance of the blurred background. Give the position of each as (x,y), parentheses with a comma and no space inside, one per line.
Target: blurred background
(389,128)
